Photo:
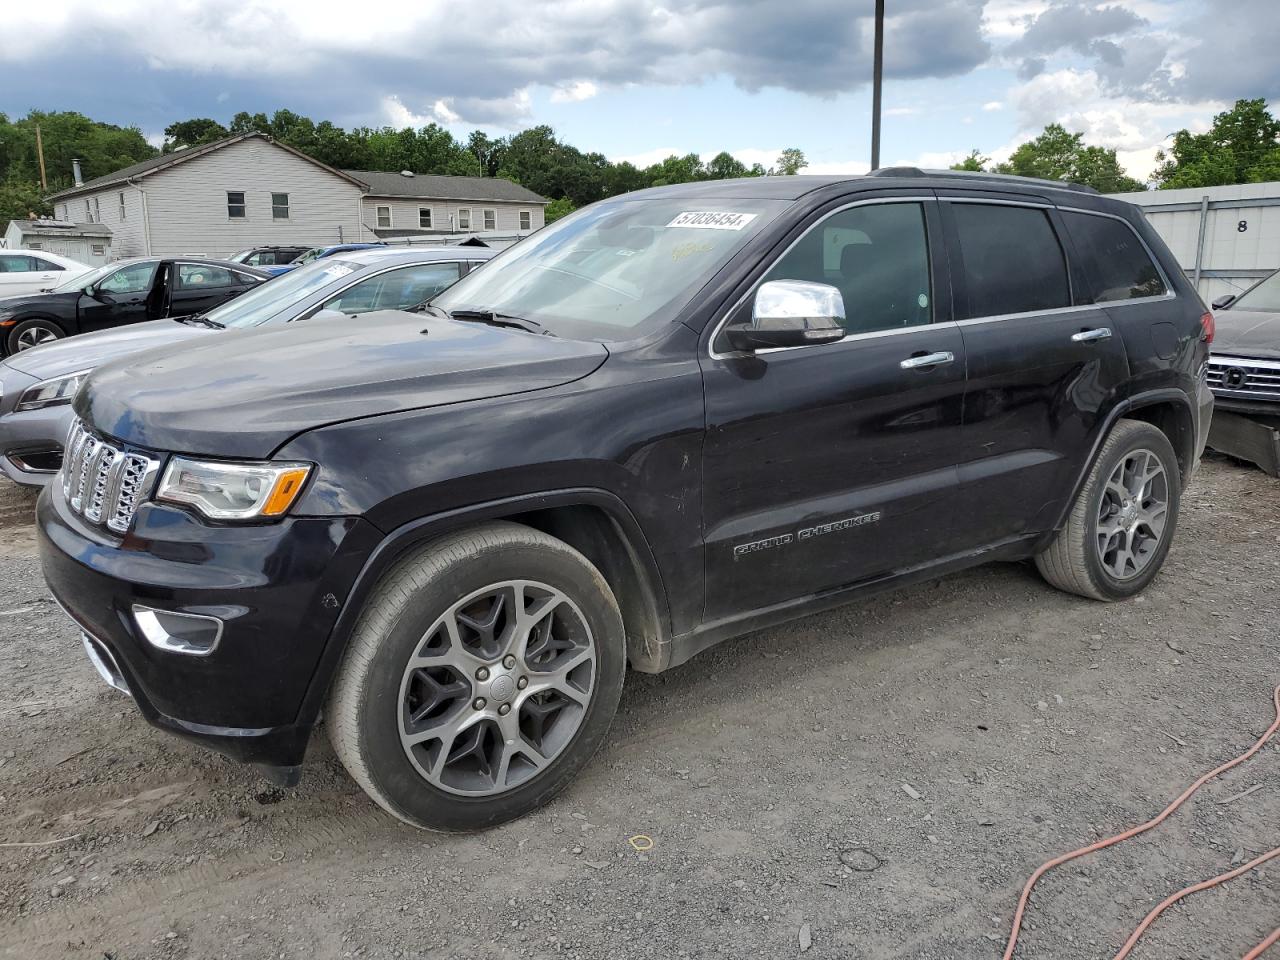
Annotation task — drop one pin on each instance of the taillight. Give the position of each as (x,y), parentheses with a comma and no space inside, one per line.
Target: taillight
(1207,328)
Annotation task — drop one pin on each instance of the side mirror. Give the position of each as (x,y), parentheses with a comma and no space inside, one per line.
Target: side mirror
(1224,301)
(790,313)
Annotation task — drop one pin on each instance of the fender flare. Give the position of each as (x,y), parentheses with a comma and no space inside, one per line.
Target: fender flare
(396,543)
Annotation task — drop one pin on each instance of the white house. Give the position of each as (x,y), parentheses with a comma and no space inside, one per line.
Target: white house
(1225,238)
(86,242)
(249,190)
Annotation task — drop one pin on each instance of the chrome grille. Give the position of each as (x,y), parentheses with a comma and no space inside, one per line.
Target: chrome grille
(1240,377)
(103,483)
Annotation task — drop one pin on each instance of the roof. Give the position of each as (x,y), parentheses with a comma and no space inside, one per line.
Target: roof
(165,160)
(430,186)
(61,228)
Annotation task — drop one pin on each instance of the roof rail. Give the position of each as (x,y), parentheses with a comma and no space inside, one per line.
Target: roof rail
(981,175)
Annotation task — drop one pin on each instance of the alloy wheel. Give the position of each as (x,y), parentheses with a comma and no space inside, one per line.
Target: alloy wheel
(1133,514)
(35,336)
(497,688)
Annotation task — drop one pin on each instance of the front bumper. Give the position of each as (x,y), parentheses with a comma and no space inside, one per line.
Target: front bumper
(30,440)
(276,588)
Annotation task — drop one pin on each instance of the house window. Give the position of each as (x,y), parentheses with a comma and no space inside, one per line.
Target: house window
(88,211)
(280,206)
(526,220)
(464,218)
(122,205)
(99,249)
(35,246)
(62,211)
(491,220)
(384,218)
(424,218)
(235,204)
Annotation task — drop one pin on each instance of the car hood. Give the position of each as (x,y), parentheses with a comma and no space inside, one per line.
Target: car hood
(61,357)
(244,393)
(1247,333)
(24,300)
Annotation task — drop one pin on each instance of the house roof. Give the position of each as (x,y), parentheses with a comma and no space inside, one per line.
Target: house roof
(165,160)
(429,186)
(61,228)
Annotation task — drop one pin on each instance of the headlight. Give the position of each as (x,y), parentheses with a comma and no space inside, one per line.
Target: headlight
(51,393)
(233,491)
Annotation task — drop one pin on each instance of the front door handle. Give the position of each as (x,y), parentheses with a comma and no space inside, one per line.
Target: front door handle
(928,360)
(1088,336)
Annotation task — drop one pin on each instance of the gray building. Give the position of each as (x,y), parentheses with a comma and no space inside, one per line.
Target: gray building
(1225,238)
(87,242)
(249,190)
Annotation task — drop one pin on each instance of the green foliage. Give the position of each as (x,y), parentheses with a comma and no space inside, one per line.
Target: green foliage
(790,162)
(558,208)
(192,133)
(1060,155)
(973,163)
(100,147)
(21,198)
(1242,146)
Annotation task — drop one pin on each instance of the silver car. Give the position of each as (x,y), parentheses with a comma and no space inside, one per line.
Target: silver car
(38,385)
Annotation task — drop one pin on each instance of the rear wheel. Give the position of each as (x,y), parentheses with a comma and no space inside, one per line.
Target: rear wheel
(480,678)
(1120,528)
(32,333)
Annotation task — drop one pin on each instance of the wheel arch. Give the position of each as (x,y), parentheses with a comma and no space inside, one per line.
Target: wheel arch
(595,522)
(68,329)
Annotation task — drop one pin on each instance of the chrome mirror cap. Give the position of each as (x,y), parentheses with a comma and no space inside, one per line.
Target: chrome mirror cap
(791,313)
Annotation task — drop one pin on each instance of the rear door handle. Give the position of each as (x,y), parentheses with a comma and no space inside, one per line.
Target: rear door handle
(1088,336)
(928,360)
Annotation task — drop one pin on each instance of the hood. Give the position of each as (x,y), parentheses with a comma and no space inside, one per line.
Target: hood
(1247,333)
(24,300)
(61,357)
(244,393)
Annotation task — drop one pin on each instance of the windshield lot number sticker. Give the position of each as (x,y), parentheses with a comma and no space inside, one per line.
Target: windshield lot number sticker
(711,220)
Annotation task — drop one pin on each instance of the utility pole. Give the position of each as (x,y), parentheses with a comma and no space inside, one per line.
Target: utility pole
(44,181)
(876,83)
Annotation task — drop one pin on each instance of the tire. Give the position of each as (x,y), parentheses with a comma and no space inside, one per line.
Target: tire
(379,703)
(31,333)
(1088,555)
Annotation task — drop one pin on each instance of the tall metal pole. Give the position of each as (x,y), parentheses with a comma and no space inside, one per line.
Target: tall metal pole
(44,182)
(877,75)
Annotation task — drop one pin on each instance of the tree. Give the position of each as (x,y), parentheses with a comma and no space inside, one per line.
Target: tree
(488,152)
(1242,146)
(20,199)
(725,166)
(192,133)
(100,147)
(1057,154)
(559,208)
(790,161)
(974,163)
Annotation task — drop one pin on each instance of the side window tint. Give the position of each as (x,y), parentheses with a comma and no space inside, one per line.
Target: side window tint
(877,256)
(200,276)
(1120,267)
(397,290)
(12,263)
(135,278)
(38,264)
(1013,262)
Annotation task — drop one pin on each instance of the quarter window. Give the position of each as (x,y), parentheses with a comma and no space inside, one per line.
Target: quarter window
(396,289)
(1121,268)
(280,206)
(1011,260)
(384,217)
(424,218)
(877,256)
(464,218)
(235,204)
(526,220)
(491,220)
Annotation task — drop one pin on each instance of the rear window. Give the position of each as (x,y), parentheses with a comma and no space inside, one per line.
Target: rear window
(1012,261)
(1120,267)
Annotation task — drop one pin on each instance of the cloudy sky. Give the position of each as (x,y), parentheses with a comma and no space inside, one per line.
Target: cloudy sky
(638,80)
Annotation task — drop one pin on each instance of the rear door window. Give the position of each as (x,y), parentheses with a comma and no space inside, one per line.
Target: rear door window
(1120,267)
(1011,260)
(202,276)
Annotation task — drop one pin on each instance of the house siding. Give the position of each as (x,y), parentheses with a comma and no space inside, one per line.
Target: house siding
(404,213)
(187,203)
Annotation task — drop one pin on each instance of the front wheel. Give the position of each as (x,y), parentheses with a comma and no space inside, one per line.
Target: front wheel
(32,333)
(480,678)
(1120,528)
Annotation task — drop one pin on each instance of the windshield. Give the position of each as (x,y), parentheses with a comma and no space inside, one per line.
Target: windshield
(310,255)
(1263,296)
(265,301)
(85,279)
(614,270)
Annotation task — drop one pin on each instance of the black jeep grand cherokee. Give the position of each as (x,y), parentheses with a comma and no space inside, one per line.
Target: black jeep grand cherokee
(668,419)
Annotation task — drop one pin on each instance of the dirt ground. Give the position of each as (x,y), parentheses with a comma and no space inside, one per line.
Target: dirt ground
(771,775)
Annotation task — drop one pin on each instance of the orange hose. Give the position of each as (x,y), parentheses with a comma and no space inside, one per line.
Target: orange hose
(1139,830)
(1261,948)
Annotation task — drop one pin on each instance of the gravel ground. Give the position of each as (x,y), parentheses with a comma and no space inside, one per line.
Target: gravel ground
(873,782)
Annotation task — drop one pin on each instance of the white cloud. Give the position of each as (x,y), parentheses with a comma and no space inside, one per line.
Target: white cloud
(574,92)
(901,111)
(992,105)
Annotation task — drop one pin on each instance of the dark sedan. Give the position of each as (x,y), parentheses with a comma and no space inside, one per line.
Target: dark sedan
(129,291)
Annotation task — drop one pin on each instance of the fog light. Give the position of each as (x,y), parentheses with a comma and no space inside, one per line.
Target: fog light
(189,633)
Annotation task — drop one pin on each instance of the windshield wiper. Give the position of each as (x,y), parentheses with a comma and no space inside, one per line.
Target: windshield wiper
(500,320)
(200,320)
(426,307)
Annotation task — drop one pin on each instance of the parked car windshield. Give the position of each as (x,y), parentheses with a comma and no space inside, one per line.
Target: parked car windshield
(82,280)
(614,270)
(1263,296)
(241,256)
(266,300)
